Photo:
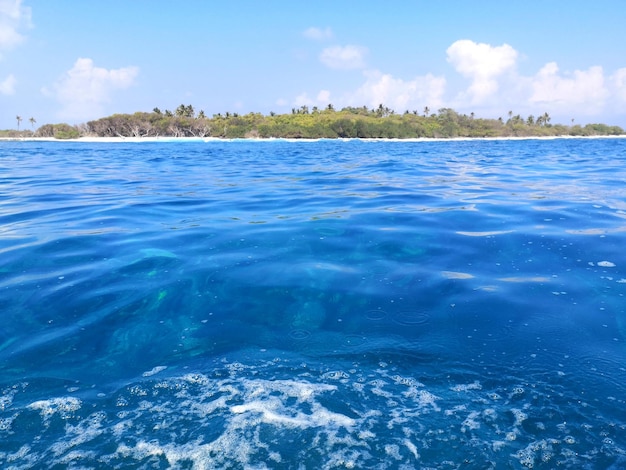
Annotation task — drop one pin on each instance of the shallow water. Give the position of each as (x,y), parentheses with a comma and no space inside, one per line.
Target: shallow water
(328,304)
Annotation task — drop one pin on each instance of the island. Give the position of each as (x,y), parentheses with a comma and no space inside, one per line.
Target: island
(315,123)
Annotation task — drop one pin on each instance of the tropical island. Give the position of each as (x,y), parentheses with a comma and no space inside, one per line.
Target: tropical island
(314,123)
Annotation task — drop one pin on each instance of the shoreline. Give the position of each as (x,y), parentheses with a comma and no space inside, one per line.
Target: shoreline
(282,139)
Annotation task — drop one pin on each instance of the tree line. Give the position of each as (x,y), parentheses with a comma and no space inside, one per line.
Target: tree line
(313,123)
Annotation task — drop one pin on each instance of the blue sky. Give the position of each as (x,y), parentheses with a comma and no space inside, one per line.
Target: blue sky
(72,61)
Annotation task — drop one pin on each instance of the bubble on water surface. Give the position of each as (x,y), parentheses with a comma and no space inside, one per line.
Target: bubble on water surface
(606,264)
(280,412)
(65,407)
(352,341)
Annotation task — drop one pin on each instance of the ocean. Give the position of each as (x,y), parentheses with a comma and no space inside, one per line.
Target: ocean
(313,304)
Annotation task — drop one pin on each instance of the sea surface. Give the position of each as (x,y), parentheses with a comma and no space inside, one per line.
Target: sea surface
(313,305)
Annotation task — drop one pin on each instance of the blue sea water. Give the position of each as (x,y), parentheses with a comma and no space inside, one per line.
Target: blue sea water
(313,305)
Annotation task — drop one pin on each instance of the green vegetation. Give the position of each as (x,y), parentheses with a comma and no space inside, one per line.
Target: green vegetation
(314,123)
(350,122)
(59,131)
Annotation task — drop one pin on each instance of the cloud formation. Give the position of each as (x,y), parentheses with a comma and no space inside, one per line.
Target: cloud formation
(483,64)
(7,86)
(618,83)
(399,94)
(586,87)
(321,100)
(318,34)
(495,85)
(344,57)
(13,19)
(84,89)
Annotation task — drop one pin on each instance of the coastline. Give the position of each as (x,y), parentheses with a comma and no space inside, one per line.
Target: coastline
(275,139)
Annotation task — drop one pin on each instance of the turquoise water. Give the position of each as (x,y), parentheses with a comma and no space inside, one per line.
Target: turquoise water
(329,304)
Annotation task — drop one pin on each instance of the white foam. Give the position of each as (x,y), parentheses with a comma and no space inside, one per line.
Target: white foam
(606,264)
(466,387)
(65,407)
(272,409)
(456,275)
(268,414)
(85,431)
(393,451)
(233,418)
(153,371)
(471,423)
(484,234)
(6,401)
(412,448)
(519,416)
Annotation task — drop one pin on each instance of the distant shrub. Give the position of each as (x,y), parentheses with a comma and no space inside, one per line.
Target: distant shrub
(65,131)
(58,131)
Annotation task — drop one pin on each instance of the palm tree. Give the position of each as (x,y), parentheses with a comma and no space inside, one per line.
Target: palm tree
(19,119)
(426,111)
(32,122)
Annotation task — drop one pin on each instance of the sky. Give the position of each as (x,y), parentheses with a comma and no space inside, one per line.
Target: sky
(73,61)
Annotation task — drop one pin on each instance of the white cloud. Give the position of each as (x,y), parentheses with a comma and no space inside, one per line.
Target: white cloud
(495,86)
(13,18)
(84,89)
(344,57)
(483,64)
(303,99)
(321,100)
(618,81)
(583,87)
(379,88)
(7,86)
(323,96)
(282,102)
(318,34)
(400,94)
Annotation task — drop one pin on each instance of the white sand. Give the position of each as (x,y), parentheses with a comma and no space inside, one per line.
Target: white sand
(218,139)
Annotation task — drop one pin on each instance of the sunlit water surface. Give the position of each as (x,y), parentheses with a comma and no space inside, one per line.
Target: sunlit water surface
(330,304)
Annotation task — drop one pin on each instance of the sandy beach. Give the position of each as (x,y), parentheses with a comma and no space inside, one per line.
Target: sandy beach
(218,139)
